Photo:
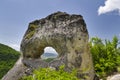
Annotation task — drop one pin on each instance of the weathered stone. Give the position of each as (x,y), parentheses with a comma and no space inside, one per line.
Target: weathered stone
(68,35)
(35,63)
(114,77)
(65,33)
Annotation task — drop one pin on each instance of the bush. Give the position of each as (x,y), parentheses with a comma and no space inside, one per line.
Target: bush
(106,55)
(51,74)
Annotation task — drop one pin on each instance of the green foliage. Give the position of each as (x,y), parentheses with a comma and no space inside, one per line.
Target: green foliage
(51,74)
(8,57)
(106,55)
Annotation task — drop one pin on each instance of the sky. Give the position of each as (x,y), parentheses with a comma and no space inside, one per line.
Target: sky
(101,16)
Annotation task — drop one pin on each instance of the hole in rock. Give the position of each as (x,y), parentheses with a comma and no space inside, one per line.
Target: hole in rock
(49,54)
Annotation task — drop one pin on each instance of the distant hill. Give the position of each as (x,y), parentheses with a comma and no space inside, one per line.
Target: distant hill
(48,55)
(8,57)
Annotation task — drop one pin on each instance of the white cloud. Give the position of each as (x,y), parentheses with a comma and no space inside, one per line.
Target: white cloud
(50,50)
(110,5)
(15,46)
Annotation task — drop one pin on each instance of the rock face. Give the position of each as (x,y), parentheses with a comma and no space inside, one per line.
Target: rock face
(68,35)
(114,77)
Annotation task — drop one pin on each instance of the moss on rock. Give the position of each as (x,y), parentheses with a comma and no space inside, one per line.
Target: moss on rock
(31,31)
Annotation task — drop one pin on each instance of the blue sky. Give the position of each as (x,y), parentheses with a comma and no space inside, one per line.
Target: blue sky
(101,16)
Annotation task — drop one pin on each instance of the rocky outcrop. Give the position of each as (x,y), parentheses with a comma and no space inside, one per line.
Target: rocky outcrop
(114,77)
(68,35)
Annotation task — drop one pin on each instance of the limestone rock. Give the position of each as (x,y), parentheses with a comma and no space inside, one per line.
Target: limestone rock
(114,77)
(68,35)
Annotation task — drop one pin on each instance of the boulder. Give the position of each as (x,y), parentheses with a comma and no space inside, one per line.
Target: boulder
(68,35)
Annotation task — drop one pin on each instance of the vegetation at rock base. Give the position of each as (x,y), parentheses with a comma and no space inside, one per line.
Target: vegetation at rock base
(106,55)
(51,74)
(8,57)
(106,58)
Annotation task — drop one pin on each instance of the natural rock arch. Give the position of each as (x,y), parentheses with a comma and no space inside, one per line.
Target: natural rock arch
(68,35)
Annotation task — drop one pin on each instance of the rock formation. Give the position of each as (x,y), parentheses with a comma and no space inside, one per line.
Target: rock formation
(68,35)
(114,77)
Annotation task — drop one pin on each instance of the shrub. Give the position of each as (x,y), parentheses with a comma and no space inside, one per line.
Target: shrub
(51,74)
(106,55)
